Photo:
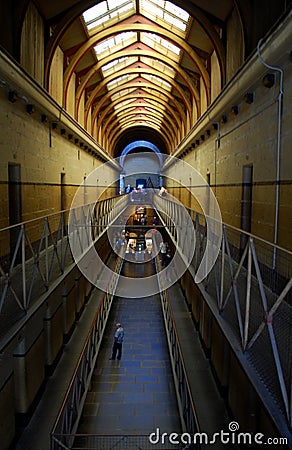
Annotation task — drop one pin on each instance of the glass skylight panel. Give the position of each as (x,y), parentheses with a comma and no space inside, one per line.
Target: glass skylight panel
(114,43)
(177,11)
(161,95)
(154,103)
(158,114)
(157,42)
(159,66)
(95,12)
(175,21)
(123,104)
(104,11)
(118,64)
(159,81)
(98,22)
(114,3)
(121,94)
(112,64)
(119,81)
(167,12)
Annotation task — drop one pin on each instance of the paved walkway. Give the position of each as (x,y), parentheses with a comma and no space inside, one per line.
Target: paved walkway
(134,396)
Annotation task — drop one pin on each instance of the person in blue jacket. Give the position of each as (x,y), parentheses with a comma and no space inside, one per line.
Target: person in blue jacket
(118,342)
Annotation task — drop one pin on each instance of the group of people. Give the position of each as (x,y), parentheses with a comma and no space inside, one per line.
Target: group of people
(139,193)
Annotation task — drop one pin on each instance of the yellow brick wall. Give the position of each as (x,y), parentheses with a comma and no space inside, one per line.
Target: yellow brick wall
(250,138)
(43,154)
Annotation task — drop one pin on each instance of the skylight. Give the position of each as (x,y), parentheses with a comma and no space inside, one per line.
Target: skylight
(121,94)
(128,75)
(160,44)
(115,43)
(117,64)
(159,81)
(119,81)
(166,12)
(159,65)
(105,11)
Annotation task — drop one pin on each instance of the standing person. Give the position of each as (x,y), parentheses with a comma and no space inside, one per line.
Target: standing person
(118,342)
(119,245)
(163,247)
(162,192)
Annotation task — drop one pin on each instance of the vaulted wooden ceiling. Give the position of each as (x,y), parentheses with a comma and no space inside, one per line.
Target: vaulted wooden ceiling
(141,67)
(138,63)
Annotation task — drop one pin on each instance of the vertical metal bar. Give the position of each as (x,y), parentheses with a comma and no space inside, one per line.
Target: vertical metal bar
(47,249)
(222,271)
(269,321)
(23,267)
(62,224)
(290,421)
(271,312)
(247,307)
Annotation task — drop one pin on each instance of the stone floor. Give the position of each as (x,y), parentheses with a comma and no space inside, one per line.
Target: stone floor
(135,395)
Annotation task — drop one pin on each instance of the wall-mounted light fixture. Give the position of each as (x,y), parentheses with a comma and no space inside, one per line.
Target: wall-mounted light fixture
(269,80)
(235,109)
(197,142)
(29,108)
(70,136)
(248,98)
(54,125)
(12,96)
(63,131)
(76,140)
(208,132)
(44,118)
(215,125)
(224,118)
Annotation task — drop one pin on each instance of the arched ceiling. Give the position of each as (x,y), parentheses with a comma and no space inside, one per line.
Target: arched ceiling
(145,70)
(141,67)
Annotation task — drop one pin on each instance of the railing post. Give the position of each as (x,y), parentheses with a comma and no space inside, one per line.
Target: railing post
(23,266)
(248,292)
(222,272)
(47,249)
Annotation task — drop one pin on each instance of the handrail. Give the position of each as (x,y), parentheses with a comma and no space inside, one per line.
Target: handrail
(62,211)
(239,230)
(251,298)
(35,255)
(66,422)
(187,407)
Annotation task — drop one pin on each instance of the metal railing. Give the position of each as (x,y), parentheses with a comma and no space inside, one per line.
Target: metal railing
(186,404)
(115,442)
(35,254)
(251,289)
(63,433)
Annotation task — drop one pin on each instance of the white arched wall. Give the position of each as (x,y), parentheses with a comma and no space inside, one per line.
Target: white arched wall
(141,165)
